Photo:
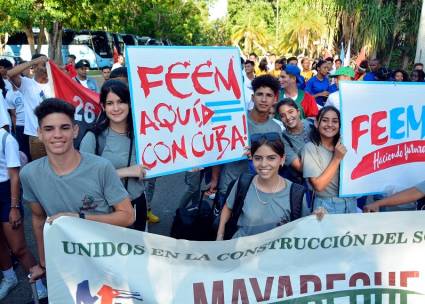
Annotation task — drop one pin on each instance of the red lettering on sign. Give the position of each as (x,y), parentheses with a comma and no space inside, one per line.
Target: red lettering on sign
(170,76)
(145,83)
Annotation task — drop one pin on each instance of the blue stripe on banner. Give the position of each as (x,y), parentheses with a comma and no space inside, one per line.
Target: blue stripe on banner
(229,110)
(222,103)
(221,118)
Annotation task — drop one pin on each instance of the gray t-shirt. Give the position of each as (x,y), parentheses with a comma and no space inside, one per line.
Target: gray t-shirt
(298,140)
(315,160)
(421,187)
(258,217)
(231,171)
(93,187)
(115,150)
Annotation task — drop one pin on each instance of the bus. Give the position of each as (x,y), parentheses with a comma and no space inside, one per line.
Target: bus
(95,46)
(98,47)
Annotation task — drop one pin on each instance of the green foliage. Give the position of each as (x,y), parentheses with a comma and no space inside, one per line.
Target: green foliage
(310,26)
(387,28)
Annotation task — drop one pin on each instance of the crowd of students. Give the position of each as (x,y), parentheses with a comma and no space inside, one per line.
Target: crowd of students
(295,151)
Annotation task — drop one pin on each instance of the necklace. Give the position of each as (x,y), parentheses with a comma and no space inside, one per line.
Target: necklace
(274,190)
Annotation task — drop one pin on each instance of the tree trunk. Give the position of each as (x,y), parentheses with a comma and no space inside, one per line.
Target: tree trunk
(395,32)
(41,38)
(30,38)
(420,46)
(55,43)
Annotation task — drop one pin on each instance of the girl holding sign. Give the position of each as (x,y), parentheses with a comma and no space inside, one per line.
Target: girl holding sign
(266,199)
(113,139)
(321,160)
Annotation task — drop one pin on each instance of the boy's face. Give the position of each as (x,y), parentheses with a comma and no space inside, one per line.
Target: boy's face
(57,132)
(264,98)
(106,73)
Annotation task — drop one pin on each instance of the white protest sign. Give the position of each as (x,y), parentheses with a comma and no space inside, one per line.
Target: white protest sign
(345,259)
(188,107)
(383,128)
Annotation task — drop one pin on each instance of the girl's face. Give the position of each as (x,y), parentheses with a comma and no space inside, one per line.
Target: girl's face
(116,109)
(267,162)
(289,116)
(323,69)
(398,76)
(329,125)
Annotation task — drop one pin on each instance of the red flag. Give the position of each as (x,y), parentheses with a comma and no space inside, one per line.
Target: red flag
(85,101)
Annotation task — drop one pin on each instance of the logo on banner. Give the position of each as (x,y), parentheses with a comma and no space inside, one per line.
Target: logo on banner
(395,124)
(105,295)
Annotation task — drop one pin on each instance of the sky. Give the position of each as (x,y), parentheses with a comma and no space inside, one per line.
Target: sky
(218,10)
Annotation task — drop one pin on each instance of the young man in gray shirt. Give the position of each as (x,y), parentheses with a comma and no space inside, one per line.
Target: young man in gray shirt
(266,92)
(72,184)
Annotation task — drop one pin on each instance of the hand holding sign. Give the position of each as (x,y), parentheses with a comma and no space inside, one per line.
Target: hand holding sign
(340,150)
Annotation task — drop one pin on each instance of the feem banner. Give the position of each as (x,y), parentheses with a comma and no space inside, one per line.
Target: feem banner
(383,128)
(188,107)
(85,101)
(352,258)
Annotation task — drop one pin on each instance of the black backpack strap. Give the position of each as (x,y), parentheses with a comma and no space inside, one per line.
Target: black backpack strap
(288,140)
(244,182)
(128,161)
(296,196)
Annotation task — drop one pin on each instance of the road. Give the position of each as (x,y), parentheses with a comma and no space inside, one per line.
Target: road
(168,192)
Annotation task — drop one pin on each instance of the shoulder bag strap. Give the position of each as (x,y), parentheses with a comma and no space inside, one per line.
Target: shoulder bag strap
(296,195)
(128,161)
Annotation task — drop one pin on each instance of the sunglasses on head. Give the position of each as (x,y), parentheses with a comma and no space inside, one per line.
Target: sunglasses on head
(269,136)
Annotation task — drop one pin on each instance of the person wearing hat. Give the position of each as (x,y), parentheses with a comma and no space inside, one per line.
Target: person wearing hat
(361,70)
(82,68)
(290,82)
(344,73)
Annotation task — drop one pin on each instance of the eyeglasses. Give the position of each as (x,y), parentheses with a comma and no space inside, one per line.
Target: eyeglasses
(269,136)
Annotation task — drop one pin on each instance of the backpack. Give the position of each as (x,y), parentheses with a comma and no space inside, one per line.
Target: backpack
(296,195)
(100,141)
(287,171)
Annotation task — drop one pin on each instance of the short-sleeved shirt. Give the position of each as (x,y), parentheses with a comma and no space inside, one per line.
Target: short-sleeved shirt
(421,187)
(116,151)
(4,115)
(370,76)
(14,101)
(315,160)
(315,85)
(93,187)
(257,216)
(9,154)
(33,94)
(298,142)
(333,100)
(231,171)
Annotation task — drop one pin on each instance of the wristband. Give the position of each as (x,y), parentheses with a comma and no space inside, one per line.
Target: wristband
(14,206)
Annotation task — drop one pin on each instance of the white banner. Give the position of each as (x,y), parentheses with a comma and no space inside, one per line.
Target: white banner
(383,128)
(188,107)
(353,258)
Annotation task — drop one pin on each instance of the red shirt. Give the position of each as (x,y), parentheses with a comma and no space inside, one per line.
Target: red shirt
(71,70)
(309,105)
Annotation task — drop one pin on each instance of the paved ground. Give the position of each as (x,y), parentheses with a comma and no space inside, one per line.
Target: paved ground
(168,192)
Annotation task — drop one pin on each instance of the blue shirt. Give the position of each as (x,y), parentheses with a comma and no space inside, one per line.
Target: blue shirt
(370,76)
(314,86)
